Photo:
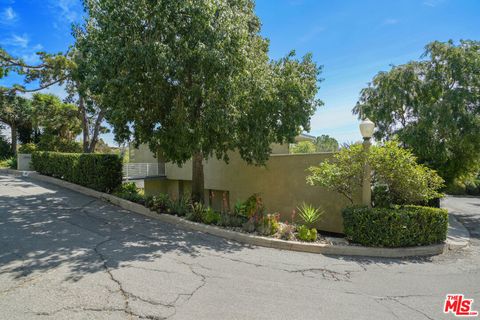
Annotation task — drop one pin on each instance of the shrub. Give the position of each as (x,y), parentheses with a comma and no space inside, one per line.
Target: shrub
(395,227)
(53,143)
(254,206)
(473,187)
(287,231)
(130,192)
(210,216)
(231,220)
(5,148)
(159,203)
(197,212)
(9,163)
(180,207)
(309,214)
(397,177)
(268,225)
(102,172)
(306,234)
(27,148)
(303,147)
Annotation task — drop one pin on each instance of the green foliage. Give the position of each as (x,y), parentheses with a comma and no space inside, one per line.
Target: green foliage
(5,148)
(159,203)
(397,178)
(306,234)
(197,212)
(253,206)
(343,175)
(231,220)
(469,185)
(325,143)
(267,225)
(28,148)
(102,172)
(431,106)
(406,181)
(303,147)
(395,227)
(9,163)
(309,215)
(55,117)
(211,217)
(180,206)
(49,142)
(205,84)
(16,112)
(130,192)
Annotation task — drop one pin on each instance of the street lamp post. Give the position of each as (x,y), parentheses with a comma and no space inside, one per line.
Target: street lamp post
(366,129)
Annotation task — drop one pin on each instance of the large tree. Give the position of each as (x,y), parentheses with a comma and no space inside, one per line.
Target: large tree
(193,79)
(432,106)
(325,143)
(15,111)
(72,70)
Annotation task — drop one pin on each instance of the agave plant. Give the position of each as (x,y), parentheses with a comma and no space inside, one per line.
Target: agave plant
(309,214)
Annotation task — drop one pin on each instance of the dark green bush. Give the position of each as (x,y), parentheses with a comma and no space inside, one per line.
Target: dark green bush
(159,203)
(395,227)
(5,148)
(102,172)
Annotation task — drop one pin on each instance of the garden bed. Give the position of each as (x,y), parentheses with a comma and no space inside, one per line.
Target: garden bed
(326,245)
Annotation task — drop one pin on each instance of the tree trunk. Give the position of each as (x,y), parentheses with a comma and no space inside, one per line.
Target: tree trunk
(197,178)
(83,112)
(13,128)
(96,131)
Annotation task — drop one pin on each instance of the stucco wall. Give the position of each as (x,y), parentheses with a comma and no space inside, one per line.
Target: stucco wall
(281,184)
(142,154)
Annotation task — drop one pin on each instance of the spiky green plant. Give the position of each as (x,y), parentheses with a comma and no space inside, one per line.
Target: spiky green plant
(309,214)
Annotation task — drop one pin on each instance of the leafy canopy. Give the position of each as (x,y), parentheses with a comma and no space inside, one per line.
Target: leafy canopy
(303,147)
(395,169)
(193,77)
(432,106)
(325,143)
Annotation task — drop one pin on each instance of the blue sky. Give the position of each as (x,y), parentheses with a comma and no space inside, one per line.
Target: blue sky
(352,39)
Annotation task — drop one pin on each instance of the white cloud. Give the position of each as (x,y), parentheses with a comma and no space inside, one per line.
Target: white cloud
(8,16)
(19,46)
(18,41)
(69,10)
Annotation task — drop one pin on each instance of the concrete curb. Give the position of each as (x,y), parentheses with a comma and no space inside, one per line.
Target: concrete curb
(328,249)
(458,236)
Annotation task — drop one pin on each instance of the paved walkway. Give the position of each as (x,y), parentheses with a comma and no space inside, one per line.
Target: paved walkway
(67,256)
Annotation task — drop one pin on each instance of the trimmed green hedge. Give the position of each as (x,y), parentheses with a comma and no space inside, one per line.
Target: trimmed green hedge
(102,172)
(395,227)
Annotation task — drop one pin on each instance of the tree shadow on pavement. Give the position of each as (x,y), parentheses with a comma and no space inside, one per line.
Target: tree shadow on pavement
(57,228)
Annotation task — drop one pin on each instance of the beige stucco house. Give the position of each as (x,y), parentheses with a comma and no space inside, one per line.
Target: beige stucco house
(281,183)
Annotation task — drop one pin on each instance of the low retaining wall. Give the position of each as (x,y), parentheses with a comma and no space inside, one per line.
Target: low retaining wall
(328,249)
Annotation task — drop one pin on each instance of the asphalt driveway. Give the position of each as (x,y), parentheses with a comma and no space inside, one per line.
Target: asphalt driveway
(67,256)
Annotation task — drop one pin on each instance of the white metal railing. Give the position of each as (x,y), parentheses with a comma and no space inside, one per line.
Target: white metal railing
(143,170)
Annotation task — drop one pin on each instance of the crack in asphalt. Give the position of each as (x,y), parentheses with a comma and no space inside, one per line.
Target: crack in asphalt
(108,271)
(326,274)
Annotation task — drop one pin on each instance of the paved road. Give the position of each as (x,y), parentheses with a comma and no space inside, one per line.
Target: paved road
(67,256)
